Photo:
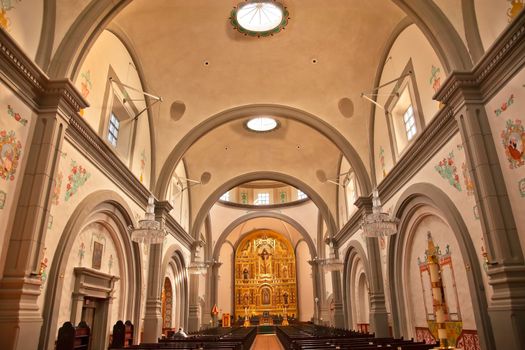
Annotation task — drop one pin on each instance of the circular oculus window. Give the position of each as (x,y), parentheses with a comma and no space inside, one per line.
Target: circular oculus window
(262,124)
(259,18)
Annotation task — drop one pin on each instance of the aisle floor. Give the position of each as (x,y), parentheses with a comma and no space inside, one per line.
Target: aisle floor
(267,342)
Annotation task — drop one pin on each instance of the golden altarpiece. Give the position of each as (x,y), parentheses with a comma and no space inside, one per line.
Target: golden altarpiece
(265,276)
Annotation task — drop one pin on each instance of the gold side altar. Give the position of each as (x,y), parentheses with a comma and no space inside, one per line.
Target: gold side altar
(265,276)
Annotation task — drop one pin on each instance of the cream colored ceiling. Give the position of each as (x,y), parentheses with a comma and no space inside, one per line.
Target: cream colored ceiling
(174,39)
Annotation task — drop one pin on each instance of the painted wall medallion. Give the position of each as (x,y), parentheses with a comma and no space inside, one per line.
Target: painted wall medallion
(16,116)
(504,106)
(521,186)
(447,169)
(513,139)
(3,198)
(76,179)
(10,151)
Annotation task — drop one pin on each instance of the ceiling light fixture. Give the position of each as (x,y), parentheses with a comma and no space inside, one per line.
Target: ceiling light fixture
(259,18)
(262,124)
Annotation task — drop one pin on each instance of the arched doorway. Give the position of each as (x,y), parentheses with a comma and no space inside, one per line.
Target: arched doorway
(167,304)
(265,276)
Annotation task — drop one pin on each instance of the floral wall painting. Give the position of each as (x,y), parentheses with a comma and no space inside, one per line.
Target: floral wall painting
(504,106)
(55,196)
(469,184)
(447,169)
(96,262)
(142,164)
(435,78)
(16,116)
(244,198)
(76,179)
(43,269)
(521,186)
(110,263)
(513,139)
(5,7)
(282,196)
(50,222)
(10,150)
(382,160)
(3,198)
(85,86)
(515,7)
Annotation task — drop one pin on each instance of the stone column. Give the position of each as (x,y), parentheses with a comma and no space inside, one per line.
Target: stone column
(378,313)
(318,289)
(153,312)
(339,317)
(20,317)
(506,269)
(194,315)
(213,272)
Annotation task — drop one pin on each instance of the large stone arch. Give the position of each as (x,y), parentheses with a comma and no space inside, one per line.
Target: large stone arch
(267,175)
(114,206)
(413,198)
(260,214)
(262,109)
(354,252)
(174,259)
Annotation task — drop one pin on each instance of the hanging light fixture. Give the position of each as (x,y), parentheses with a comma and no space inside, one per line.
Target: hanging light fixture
(149,231)
(332,263)
(377,223)
(198,266)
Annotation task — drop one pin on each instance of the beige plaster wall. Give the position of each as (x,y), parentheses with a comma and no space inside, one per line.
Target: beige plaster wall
(225,280)
(423,60)
(454,13)
(492,19)
(23,21)
(305,292)
(67,12)
(92,81)
(16,124)
(505,115)
(179,197)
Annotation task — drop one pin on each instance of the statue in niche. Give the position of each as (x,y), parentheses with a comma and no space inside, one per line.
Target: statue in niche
(265,265)
(265,296)
(285,272)
(285,298)
(245,274)
(246,299)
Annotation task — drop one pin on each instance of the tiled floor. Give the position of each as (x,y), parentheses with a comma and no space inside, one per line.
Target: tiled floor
(266,342)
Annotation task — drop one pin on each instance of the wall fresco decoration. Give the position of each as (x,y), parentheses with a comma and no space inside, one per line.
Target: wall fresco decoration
(10,151)
(85,86)
(110,263)
(5,6)
(435,78)
(81,253)
(76,179)
(484,256)
(515,8)
(513,139)
(3,198)
(55,196)
(50,222)
(43,269)
(521,186)
(469,184)
(382,160)
(142,164)
(454,323)
(475,209)
(16,116)
(447,169)
(504,106)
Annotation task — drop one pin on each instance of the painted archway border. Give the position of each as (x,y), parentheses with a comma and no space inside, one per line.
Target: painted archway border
(174,259)
(354,252)
(414,197)
(266,175)
(114,206)
(262,109)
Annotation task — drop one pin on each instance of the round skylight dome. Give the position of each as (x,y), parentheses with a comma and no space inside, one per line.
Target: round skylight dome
(259,18)
(262,124)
